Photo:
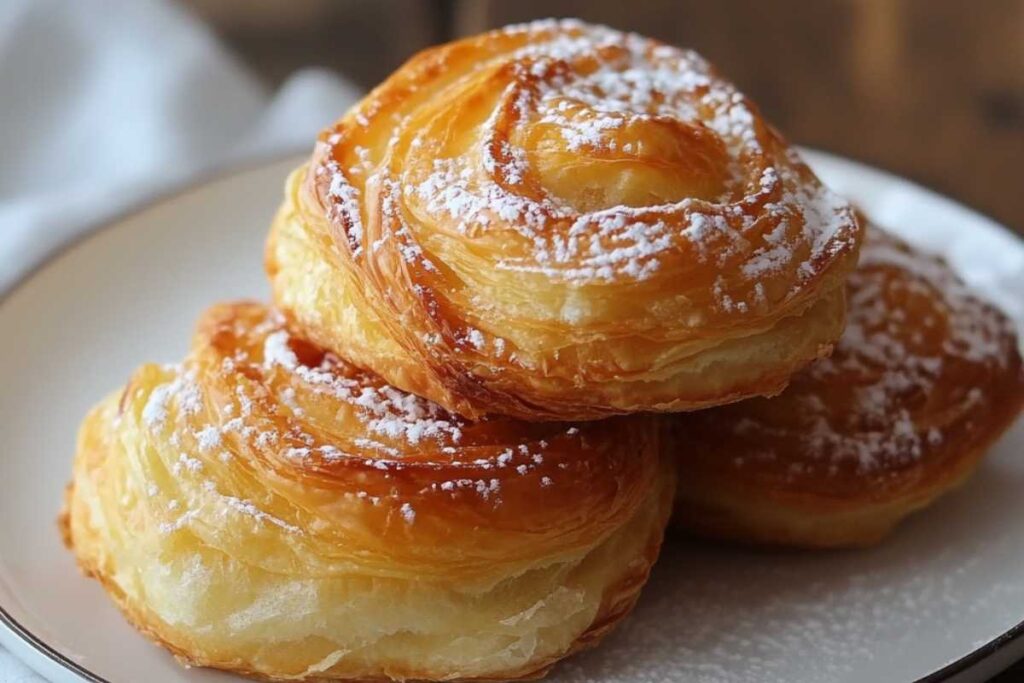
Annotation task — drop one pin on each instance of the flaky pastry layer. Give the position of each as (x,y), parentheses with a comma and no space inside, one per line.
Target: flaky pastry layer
(561,221)
(269,509)
(925,378)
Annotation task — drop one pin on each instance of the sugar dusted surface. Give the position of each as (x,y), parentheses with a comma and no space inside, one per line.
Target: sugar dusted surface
(205,410)
(924,370)
(591,86)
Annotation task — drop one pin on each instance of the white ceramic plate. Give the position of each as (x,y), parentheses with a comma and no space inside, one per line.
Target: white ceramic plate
(939,601)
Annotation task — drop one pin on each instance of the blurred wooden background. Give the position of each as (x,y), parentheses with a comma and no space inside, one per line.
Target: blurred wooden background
(930,89)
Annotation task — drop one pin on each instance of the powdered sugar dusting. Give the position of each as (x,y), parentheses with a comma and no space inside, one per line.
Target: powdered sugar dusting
(302,410)
(911,325)
(592,86)
(182,389)
(247,508)
(408,514)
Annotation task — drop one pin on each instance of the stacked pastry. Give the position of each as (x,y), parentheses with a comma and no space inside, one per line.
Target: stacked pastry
(450,449)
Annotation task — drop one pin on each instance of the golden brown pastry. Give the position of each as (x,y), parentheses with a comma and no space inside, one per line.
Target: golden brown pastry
(268,509)
(925,378)
(561,221)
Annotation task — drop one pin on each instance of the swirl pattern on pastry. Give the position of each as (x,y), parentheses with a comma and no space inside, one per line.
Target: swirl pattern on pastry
(561,221)
(267,508)
(925,378)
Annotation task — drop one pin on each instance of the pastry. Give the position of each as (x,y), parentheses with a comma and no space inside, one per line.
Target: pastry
(925,378)
(267,508)
(562,221)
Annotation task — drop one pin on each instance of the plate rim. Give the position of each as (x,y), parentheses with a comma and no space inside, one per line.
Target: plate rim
(220,171)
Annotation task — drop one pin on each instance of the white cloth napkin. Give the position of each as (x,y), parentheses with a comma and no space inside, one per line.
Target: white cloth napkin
(103,102)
